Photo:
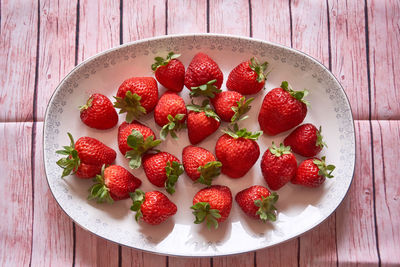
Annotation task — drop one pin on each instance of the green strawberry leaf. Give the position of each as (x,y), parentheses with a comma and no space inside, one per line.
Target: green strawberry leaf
(163,62)
(320,142)
(130,104)
(243,106)
(208,89)
(87,105)
(173,170)
(206,108)
(324,170)
(99,190)
(174,125)
(209,171)
(299,95)
(71,163)
(203,212)
(259,69)
(267,210)
(242,133)
(138,198)
(139,147)
(279,151)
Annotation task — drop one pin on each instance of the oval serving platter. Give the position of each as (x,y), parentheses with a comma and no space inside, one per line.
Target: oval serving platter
(300,209)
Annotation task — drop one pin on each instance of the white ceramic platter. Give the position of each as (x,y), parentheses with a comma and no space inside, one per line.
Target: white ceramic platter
(300,209)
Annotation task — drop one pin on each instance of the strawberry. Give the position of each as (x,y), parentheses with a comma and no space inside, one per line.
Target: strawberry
(170,72)
(212,204)
(312,172)
(170,113)
(248,77)
(202,121)
(231,105)
(200,164)
(305,140)
(201,70)
(152,207)
(135,139)
(258,202)
(99,112)
(163,170)
(85,157)
(114,183)
(282,109)
(136,96)
(237,151)
(278,166)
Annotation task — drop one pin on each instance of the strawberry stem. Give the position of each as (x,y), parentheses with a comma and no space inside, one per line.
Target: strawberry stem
(259,69)
(242,133)
(299,95)
(160,61)
(130,104)
(243,106)
(324,170)
(138,198)
(72,161)
(267,210)
(87,105)
(320,142)
(99,190)
(174,125)
(209,89)
(279,151)
(205,107)
(203,212)
(173,170)
(209,171)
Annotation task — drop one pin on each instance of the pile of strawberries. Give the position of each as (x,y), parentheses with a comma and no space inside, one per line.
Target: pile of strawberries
(236,150)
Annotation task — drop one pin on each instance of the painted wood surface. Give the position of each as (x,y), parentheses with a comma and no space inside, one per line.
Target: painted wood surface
(18,39)
(384,55)
(194,21)
(16,206)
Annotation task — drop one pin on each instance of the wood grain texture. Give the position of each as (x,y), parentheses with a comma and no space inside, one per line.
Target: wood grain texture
(187,16)
(231,17)
(242,260)
(282,255)
(348,49)
(16,191)
(143,19)
(269,24)
(386,143)
(355,229)
(188,262)
(137,258)
(18,40)
(384,55)
(52,228)
(57,26)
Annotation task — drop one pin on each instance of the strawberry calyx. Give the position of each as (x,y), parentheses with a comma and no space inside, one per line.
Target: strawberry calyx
(279,151)
(206,108)
(243,106)
(324,170)
(320,142)
(299,95)
(87,105)
(173,170)
(130,104)
(203,212)
(242,133)
(139,147)
(70,163)
(160,61)
(267,210)
(99,190)
(209,171)
(138,198)
(209,89)
(259,69)
(174,125)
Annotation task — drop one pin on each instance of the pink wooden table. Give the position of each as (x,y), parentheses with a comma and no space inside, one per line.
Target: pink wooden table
(41,41)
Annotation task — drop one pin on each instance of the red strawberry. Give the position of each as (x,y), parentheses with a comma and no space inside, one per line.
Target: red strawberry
(231,106)
(99,112)
(248,77)
(170,113)
(114,183)
(202,69)
(200,164)
(170,72)
(202,121)
(137,96)
(212,204)
(152,207)
(312,172)
(305,140)
(237,151)
(87,151)
(135,139)
(278,166)
(282,109)
(162,169)
(258,202)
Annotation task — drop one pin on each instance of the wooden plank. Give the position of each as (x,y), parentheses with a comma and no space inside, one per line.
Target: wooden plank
(271,21)
(384,55)
(189,262)
(143,19)
(231,17)
(137,258)
(16,192)
(355,229)
(282,255)
(242,260)
(348,49)
(18,38)
(52,228)
(194,20)
(57,26)
(386,143)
